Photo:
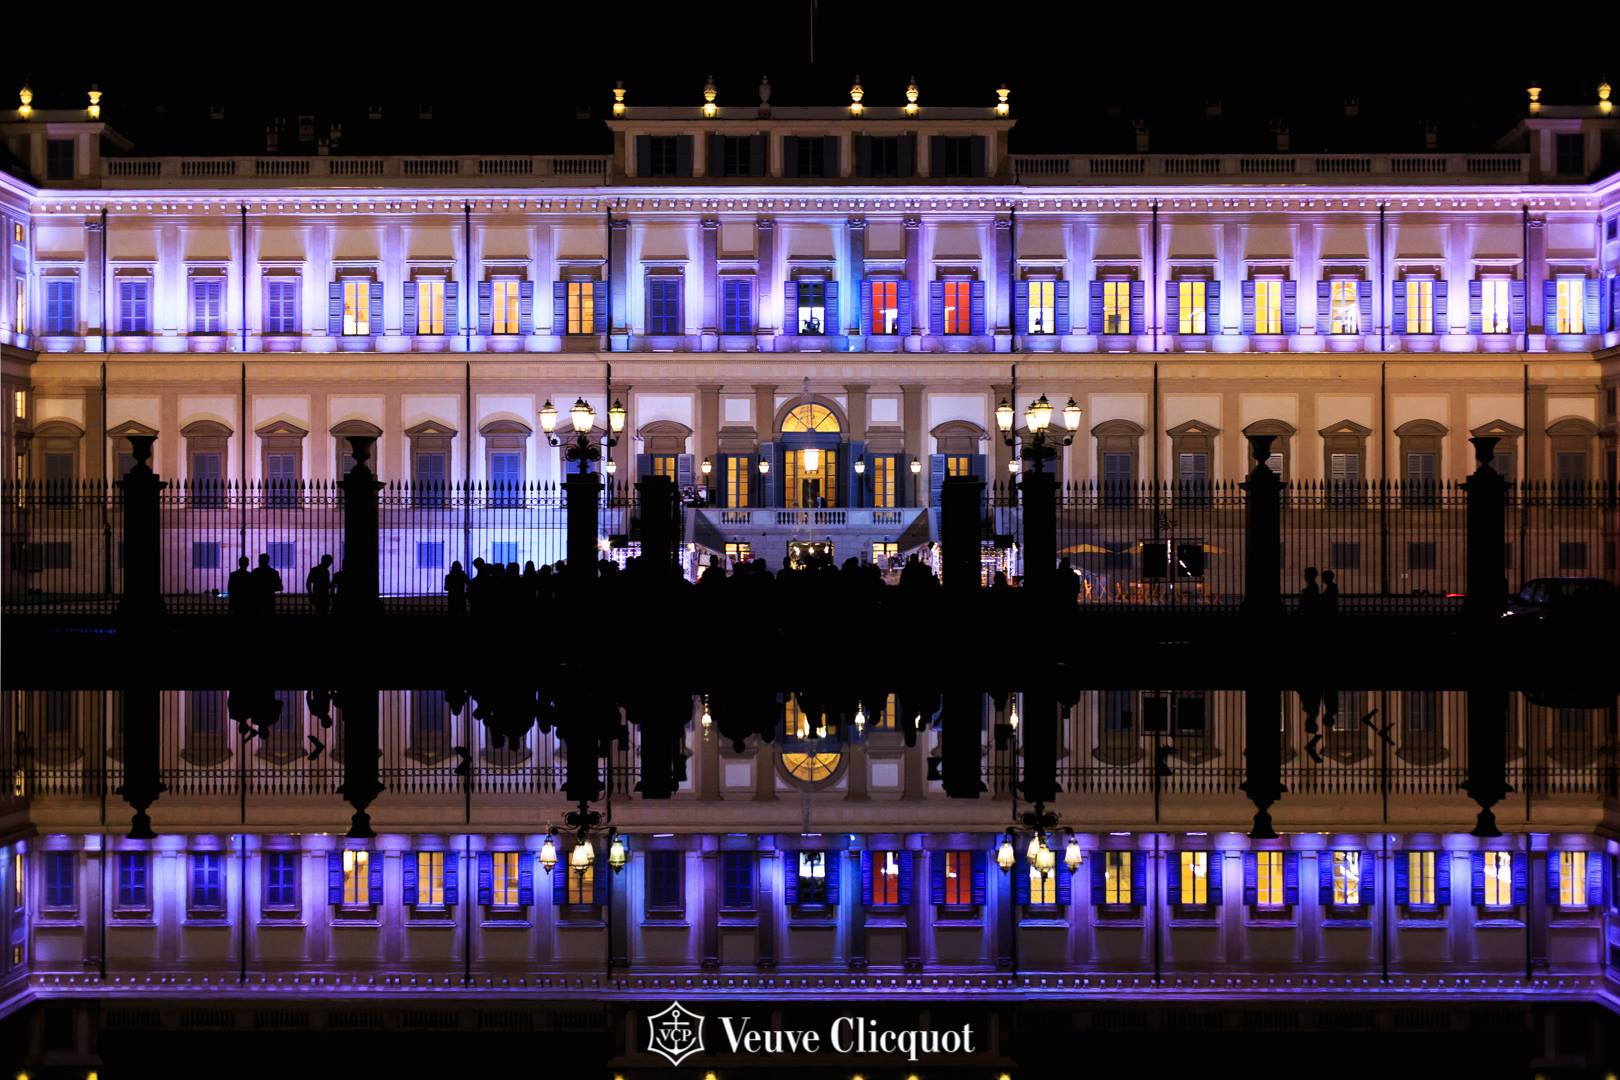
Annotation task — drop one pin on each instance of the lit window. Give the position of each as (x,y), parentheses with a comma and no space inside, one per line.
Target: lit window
(1571,305)
(1268,879)
(1420,305)
(1043,887)
(1117,877)
(1042,306)
(17,234)
(504,879)
(20,306)
(958,465)
(812,307)
(1420,889)
(959,307)
(1191,309)
(1194,878)
(958,878)
(19,404)
(883,550)
(739,551)
(1268,305)
(1572,879)
(1346,878)
(19,880)
(737,474)
(880,469)
(1116,306)
(581,307)
(430,305)
(812,877)
(582,885)
(505,306)
(356,308)
(885,877)
(430,879)
(1344,311)
(356,878)
(1498,879)
(885,300)
(1495,304)
(664,465)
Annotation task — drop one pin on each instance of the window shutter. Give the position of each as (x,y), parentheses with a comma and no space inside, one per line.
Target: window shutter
(1020,872)
(1172,879)
(790,307)
(863,155)
(1065,886)
(936,480)
(1139,864)
(1442,877)
(374,317)
(977,156)
(374,874)
(486,878)
(834,877)
(829,156)
(526,879)
(1172,307)
(1212,307)
(908,155)
(1099,877)
(1592,325)
(1364,302)
(866,326)
(683,471)
(452,878)
(1138,307)
(790,878)
(790,156)
(1397,319)
(979,863)
(756,155)
(833,321)
(936,876)
(683,155)
(717,156)
(407,305)
(525,307)
(1516,308)
(1290,312)
(1549,310)
(1369,878)
(643,155)
(559,308)
(1251,879)
(1096,321)
(906,868)
(1594,878)
(1476,878)
(1060,304)
(853,485)
(334,877)
(866,879)
(334,308)
(936,307)
(976,307)
(1521,876)
(904,309)
(407,878)
(1403,868)
(486,303)
(601,302)
(644,465)
(1248,307)
(1441,308)
(936,155)
(1324,878)
(1216,861)
(1324,302)
(451,292)
(559,883)
(1476,306)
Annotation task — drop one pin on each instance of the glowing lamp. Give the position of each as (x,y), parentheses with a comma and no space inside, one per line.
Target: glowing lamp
(1046,861)
(610,466)
(707,721)
(911,97)
(26,97)
(1005,857)
(1033,852)
(582,856)
(707,466)
(1071,415)
(710,109)
(548,854)
(1012,466)
(812,460)
(855,95)
(1071,857)
(1002,107)
(1039,414)
(548,417)
(860,466)
(95,103)
(916,466)
(1535,97)
(1012,719)
(616,415)
(1004,415)
(583,416)
(764,466)
(617,856)
(1605,106)
(618,99)
(860,718)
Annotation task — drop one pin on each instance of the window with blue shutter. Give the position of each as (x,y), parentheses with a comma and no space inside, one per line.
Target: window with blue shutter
(1574,879)
(334,878)
(1345,879)
(208,305)
(281,306)
(207,881)
(810,306)
(1193,879)
(663,305)
(134,892)
(525,888)
(486,878)
(1138,307)
(976,320)
(61,868)
(525,308)
(486,305)
(737,306)
(61,306)
(334,308)
(134,306)
(737,880)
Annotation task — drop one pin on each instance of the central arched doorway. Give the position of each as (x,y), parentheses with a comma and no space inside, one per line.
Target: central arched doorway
(811,442)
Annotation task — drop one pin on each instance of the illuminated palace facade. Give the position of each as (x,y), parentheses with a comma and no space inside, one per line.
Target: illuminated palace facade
(783,294)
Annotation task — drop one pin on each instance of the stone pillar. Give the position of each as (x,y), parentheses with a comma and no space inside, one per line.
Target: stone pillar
(960,517)
(582,493)
(95,426)
(619,268)
(1000,317)
(857,278)
(766,309)
(659,530)
(1487,518)
(710,330)
(1038,495)
(359,594)
(852,913)
(915,490)
(857,410)
(709,869)
(766,899)
(1262,491)
(764,413)
(919,284)
(143,586)
(96,286)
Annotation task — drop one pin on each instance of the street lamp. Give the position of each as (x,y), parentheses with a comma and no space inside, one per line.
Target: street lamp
(1038,418)
(916,471)
(583,418)
(584,822)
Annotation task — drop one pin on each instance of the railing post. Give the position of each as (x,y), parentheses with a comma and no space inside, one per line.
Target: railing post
(582,493)
(1262,533)
(361,588)
(1487,517)
(1038,494)
(961,498)
(1262,756)
(1487,782)
(360,745)
(143,581)
(141,785)
(658,526)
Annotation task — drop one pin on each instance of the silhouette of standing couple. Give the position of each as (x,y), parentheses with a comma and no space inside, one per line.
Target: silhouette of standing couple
(1317,603)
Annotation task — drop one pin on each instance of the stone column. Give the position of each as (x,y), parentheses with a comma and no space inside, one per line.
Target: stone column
(853,913)
(619,268)
(710,330)
(1535,275)
(709,863)
(919,284)
(766,309)
(857,410)
(764,412)
(911,417)
(96,285)
(706,434)
(856,278)
(1000,317)
(766,899)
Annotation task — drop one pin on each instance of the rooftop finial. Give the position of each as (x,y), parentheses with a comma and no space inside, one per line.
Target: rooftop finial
(911,97)
(26,97)
(618,98)
(855,95)
(709,92)
(1605,106)
(1002,106)
(764,95)
(95,102)
(1534,90)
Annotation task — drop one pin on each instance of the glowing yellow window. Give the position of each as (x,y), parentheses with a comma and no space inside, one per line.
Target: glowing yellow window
(505,306)
(581,307)
(1498,879)
(884,550)
(737,473)
(1042,306)
(1116,306)
(1420,305)
(1571,305)
(1420,891)
(1572,879)
(1191,309)
(1344,312)
(581,884)
(1346,878)
(1194,878)
(1495,304)
(20,306)
(430,306)
(356,308)
(739,551)
(19,404)
(504,879)
(1268,305)
(880,470)
(356,879)
(885,877)
(664,465)
(1268,879)
(430,879)
(1117,877)
(1043,887)
(19,890)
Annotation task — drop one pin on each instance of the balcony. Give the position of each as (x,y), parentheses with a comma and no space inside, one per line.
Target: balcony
(1247,168)
(521,170)
(767,531)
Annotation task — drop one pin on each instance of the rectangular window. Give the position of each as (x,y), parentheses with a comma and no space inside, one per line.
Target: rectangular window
(430,554)
(663,880)
(19,881)
(663,305)
(1572,879)
(505,307)
(1194,878)
(737,477)
(281,880)
(1346,878)
(739,551)
(1571,318)
(959,306)
(737,884)
(953,155)
(1498,879)
(207,881)
(736,155)
(1192,310)
(1269,879)
(1344,310)
(60,871)
(884,550)
(135,306)
(430,305)
(208,306)
(58,159)
(430,879)
(664,465)
(1116,306)
(812,306)
(61,304)
(737,306)
(662,155)
(1042,306)
(356,878)
(281,306)
(812,878)
(958,465)
(504,879)
(884,297)
(1569,152)
(1042,887)
(1268,305)
(1420,886)
(356,307)
(885,878)
(881,469)
(1495,304)
(1420,305)
(812,156)
(1117,877)
(581,307)
(582,885)
(885,157)
(205,554)
(133,881)
(20,305)
(506,477)
(504,552)
(959,878)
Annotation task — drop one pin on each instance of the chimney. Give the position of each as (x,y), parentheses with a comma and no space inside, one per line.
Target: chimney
(1141,136)
(1431,136)
(271,138)
(1280,130)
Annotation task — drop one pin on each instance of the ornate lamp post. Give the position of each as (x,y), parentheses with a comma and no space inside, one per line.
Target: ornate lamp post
(1038,418)
(583,417)
(585,823)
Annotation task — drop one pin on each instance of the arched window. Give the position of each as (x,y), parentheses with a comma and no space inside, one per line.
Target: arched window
(811,417)
(1421,443)
(1281,460)
(1118,460)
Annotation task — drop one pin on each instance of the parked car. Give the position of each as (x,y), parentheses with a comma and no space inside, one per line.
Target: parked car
(1565,598)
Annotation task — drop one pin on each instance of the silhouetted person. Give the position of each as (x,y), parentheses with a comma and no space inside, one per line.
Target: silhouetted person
(455,584)
(239,587)
(318,583)
(1310,597)
(1068,582)
(1330,594)
(478,586)
(1310,698)
(266,582)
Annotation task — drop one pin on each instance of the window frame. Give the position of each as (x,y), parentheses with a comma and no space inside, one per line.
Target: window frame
(1496,303)
(357,881)
(62,310)
(1424,305)
(203,322)
(729,860)
(61,871)
(288,306)
(818,859)
(1269,299)
(292,861)
(205,875)
(357,313)
(664,305)
(123,900)
(1270,880)
(1041,318)
(1344,306)
(430,296)
(135,291)
(1570,316)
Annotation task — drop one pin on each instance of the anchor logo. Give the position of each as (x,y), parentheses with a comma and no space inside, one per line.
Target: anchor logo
(676,1033)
